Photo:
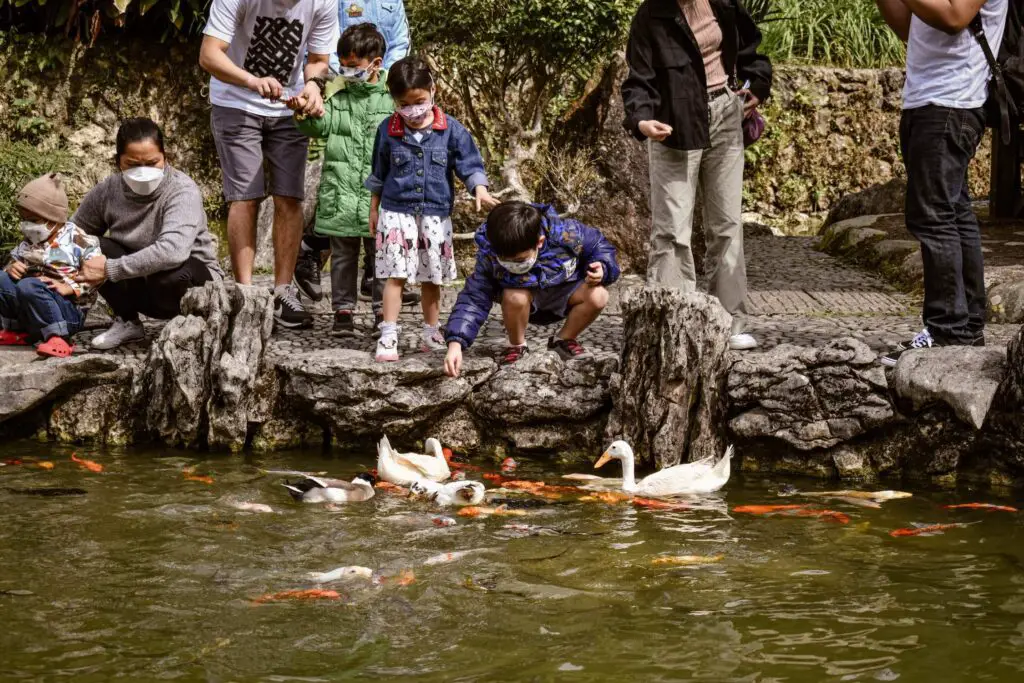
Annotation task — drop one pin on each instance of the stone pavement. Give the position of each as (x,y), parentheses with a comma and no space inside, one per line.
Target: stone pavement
(798,295)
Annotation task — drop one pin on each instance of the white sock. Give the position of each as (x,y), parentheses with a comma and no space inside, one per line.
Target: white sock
(429,330)
(388,331)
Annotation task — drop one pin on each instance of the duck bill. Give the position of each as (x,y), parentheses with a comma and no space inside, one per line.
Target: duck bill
(602,461)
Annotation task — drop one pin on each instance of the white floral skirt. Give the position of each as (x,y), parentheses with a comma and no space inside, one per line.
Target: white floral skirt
(415,248)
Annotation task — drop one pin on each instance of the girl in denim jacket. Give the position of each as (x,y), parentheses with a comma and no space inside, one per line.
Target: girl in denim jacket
(418,153)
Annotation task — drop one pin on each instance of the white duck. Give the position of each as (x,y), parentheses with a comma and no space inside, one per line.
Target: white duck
(405,468)
(452,493)
(703,476)
(316,490)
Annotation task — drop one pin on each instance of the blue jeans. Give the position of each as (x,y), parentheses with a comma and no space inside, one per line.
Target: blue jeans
(28,305)
(938,143)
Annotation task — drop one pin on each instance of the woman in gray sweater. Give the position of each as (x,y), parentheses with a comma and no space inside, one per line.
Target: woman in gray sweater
(152,228)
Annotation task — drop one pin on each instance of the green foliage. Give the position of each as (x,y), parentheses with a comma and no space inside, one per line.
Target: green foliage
(20,162)
(849,33)
(514,68)
(85,20)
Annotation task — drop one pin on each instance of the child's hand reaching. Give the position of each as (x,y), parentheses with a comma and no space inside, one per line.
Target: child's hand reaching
(62,288)
(484,199)
(453,359)
(297,103)
(16,270)
(595,273)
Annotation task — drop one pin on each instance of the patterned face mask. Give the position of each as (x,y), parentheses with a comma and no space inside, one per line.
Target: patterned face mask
(518,267)
(357,74)
(34,232)
(415,114)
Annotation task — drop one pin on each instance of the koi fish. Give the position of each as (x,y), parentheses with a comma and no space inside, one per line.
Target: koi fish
(15,461)
(87,464)
(658,504)
(982,506)
(251,507)
(609,497)
(443,521)
(310,594)
(501,510)
(766,509)
(341,573)
(189,474)
(404,578)
(509,465)
(686,560)
(851,496)
(829,515)
(582,477)
(45,465)
(389,487)
(448,454)
(928,530)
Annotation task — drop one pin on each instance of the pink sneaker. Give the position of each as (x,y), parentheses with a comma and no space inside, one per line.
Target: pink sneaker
(387,350)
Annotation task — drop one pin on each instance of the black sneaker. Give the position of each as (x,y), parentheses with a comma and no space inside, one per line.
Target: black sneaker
(366,289)
(344,325)
(307,275)
(289,312)
(512,354)
(567,349)
(923,340)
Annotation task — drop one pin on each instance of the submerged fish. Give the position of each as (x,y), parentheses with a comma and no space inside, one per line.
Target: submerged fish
(875,496)
(928,530)
(443,521)
(658,504)
(49,491)
(479,511)
(608,497)
(509,465)
(982,506)
(794,510)
(87,464)
(406,577)
(45,465)
(388,487)
(353,572)
(582,477)
(251,507)
(766,509)
(829,515)
(310,594)
(686,560)
(190,475)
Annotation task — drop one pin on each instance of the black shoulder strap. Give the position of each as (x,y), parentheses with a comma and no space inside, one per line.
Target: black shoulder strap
(1002,94)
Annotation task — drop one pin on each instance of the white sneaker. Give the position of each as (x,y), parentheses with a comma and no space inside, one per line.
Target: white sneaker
(387,349)
(742,342)
(433,341)
(121,332)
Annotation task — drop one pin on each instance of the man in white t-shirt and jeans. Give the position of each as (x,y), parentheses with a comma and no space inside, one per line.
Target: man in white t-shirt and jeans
(942,124)
(254,50)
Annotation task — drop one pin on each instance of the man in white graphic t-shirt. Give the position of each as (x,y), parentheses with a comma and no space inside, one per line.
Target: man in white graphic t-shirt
(254,51)
(943,122)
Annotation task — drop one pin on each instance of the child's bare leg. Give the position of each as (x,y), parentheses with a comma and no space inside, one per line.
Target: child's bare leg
(431,303)
(392,299)
(515,308)
(585,305)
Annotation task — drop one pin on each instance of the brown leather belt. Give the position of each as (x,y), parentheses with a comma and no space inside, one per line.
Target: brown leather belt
(716,93)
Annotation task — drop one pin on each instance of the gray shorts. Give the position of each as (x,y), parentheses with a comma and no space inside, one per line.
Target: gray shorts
(552,304)
(244,141)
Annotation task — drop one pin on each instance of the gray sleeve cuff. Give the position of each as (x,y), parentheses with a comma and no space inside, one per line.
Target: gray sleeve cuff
(374,185)
(114,270)
(476,180)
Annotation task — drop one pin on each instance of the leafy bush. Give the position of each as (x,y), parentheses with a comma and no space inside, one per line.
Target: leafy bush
(20,162)
(848,33)
(85,20)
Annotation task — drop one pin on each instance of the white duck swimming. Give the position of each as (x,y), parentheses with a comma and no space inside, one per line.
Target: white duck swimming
(317,490)
(405,468)
(703,476)
(452,493)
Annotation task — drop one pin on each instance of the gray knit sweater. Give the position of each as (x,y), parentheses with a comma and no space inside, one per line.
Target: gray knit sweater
(161,230)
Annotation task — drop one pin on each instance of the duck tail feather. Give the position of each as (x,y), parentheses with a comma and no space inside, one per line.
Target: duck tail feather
(297,493)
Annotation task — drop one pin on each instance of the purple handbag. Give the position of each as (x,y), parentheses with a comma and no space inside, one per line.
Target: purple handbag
(753,128)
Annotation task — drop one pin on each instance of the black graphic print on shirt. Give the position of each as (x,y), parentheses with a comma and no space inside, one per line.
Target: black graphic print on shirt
(274,47)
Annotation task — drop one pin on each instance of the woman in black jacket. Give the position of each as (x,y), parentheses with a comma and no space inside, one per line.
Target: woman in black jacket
(694,75)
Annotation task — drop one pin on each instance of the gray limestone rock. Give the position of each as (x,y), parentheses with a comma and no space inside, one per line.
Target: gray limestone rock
(965,379)
(360,398)
(457,430)
(265,218)
(29,384)
(100,414)
(809,398)
(668,396)
(1004,428)
(199,376)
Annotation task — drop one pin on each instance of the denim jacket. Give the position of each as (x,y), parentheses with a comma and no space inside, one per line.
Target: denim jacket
(391,21)
(418,178)
(569,249)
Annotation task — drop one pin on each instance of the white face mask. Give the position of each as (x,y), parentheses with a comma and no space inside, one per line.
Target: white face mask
(143,180)
(34,232)
(518,267)
(357,74)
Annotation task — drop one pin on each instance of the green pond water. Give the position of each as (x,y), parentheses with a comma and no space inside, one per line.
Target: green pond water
(149,576)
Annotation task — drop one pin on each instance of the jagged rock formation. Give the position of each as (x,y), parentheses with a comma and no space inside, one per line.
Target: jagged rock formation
(668,397)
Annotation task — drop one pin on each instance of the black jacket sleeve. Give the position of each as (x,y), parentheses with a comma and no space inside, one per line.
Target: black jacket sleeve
(751,65)
(640,96)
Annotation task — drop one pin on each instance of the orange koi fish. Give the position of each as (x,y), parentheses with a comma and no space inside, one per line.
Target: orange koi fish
(609,497)
(930,529)
(406,577)
(45,465)
(766,509)
(389,487)
(653,504)
(982,506)
(501,510)
(448,454)
(828,515)
(190,475)
(494,478)
(87,464)
(310,594)
(509,465)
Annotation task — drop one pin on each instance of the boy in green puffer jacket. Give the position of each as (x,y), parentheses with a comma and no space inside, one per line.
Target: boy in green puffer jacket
(351,118)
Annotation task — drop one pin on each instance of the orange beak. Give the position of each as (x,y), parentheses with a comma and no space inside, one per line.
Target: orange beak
(602,460)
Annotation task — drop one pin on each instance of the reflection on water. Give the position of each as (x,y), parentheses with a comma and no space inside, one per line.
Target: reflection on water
(150,576)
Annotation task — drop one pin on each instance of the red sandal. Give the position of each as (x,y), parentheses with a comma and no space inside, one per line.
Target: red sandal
(55,347)
(9,338)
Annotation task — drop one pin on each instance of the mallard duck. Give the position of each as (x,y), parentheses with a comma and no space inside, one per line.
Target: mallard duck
(316,490)
(452,493)
(405,468)
(703,476)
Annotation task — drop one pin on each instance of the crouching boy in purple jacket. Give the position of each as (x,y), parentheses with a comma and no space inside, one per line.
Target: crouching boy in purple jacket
(542,269)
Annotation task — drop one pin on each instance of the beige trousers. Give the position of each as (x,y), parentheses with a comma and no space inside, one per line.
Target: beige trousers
(718,172)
